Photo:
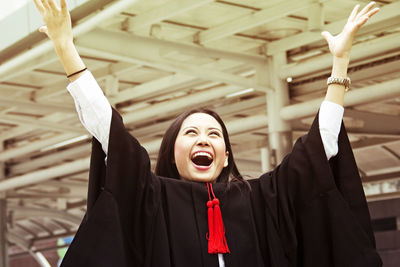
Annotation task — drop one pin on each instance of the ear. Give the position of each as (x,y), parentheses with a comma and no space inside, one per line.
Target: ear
(226,159)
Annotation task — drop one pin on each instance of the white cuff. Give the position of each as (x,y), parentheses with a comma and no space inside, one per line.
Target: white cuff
(92,106)
(330,121)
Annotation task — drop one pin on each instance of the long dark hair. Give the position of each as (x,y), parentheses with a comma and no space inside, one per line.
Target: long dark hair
(165,161)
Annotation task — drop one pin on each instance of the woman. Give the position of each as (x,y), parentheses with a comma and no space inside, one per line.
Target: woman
(307,212)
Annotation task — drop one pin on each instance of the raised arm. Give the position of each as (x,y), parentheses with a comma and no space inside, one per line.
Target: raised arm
(93,108)
(340,46)
(330,115)
(58,28)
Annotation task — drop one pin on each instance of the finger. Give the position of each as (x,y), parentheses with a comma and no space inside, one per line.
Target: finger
(353,13)
(327,36)
(39,5)
(64,8)
(43,29)
(372,12)
(362,20)
(365,10)
(45,4)
(63,4)
(53,5)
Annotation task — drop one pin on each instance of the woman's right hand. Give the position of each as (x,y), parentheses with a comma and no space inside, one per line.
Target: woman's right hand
(58,28)
(57,19)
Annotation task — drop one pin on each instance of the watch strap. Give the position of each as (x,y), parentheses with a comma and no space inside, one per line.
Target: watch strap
(346,82)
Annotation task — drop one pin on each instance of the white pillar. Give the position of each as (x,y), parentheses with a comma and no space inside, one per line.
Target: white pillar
(265,160)
(280,137)
(3,220)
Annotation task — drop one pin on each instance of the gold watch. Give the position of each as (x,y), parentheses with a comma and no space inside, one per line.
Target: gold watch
(343,81)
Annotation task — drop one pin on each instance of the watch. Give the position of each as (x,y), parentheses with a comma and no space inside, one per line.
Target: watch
(343,81)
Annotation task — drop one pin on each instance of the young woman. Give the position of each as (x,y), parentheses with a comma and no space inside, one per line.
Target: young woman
(307,212)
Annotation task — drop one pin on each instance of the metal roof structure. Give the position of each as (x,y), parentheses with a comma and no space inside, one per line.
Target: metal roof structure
(157,58)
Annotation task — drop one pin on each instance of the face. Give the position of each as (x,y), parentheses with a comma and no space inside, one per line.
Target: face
(200,153)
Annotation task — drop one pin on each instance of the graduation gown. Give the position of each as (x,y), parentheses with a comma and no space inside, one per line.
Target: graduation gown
(306,212)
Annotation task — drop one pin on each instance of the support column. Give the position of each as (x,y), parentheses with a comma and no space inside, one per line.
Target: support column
(280,136)
(3,220)
(265,160)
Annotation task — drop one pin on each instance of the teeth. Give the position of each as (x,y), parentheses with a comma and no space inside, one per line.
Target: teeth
(197,154)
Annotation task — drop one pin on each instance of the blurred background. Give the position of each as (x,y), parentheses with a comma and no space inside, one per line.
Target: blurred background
(262,65)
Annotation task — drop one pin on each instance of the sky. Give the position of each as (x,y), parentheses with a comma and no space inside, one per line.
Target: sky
(9,6)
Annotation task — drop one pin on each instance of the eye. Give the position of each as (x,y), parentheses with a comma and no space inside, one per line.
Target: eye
(215,133)
(190,131)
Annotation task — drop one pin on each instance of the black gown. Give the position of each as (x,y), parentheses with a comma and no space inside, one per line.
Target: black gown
(306,212)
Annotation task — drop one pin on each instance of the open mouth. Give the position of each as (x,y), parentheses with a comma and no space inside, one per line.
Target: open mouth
(202,159)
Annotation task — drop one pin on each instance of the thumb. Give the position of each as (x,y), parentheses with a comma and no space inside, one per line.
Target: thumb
(327,36)
(43,29)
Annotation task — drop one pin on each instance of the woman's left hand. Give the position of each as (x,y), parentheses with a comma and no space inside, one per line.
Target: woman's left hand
(340,45)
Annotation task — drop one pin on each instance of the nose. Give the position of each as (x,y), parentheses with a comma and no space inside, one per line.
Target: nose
(202,140)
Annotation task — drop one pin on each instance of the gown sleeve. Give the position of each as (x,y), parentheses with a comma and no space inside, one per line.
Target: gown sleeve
(123,199)
(94,110)
(319,207)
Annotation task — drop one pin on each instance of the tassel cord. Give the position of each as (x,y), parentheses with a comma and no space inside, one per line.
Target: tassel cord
(216,230)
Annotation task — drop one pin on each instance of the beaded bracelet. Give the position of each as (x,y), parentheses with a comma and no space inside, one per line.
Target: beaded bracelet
(75,73)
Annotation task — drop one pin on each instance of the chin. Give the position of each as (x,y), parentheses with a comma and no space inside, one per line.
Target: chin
(201,179)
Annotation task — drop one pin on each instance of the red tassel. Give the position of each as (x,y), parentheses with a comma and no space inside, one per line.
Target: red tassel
(219,229)
(216,230)
(211,237)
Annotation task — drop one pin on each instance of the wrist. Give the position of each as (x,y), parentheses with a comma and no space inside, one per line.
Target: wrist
(63,43)
(344,60)
(340,66)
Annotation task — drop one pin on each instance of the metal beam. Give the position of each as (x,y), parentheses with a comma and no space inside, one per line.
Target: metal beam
(43,107)
(158,48)
(385,128)
(31,62)
(189,101)
(373,141)
(165,11)
(380,177)
(46,174)
(49,160)
(126,54)
(24,212)
(373,122)
(316,17)
(257,18)
(372,68)
(386,13)
(14,67)
(34,146)
(164,47)
(369,94)
(36,123)
(19,240)
(150,88)
(381,197)
(37,196)
(368,49)
(152,52)
(27,245)
(57,88)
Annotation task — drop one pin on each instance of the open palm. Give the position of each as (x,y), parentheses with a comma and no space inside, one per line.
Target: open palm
(340,45)
(57,19)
